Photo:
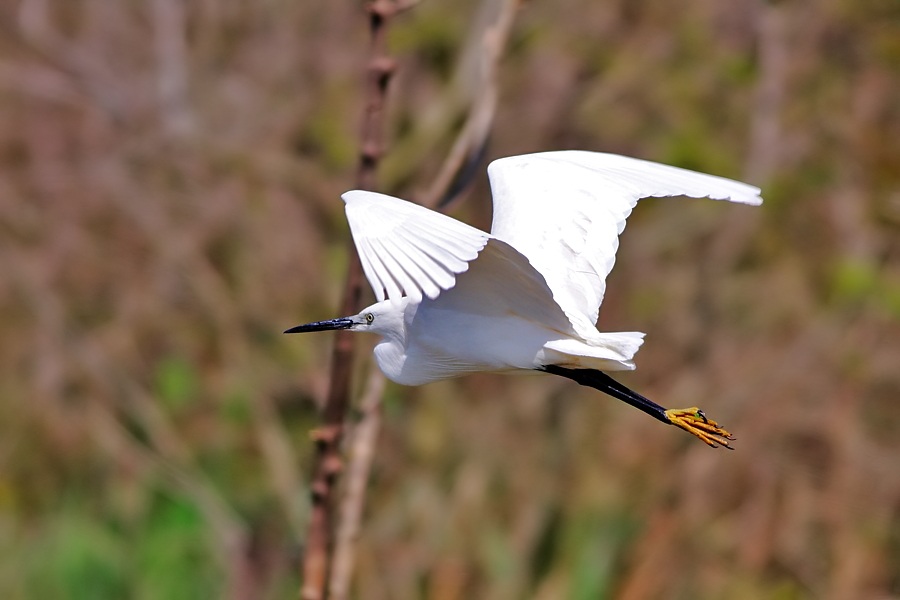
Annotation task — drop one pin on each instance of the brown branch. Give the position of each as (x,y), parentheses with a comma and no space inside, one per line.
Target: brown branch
(471,138)
(773,31)
(477,127)
(362,451)
(169,32)
(328,465)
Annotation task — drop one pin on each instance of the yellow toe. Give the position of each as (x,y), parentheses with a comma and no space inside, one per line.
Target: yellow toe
(694,421)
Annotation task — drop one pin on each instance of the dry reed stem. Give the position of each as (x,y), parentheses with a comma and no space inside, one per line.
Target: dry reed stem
(328,464)
(478,123)
(362,452)
(471,138)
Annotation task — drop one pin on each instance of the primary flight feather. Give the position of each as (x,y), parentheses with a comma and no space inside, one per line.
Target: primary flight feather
(453,299)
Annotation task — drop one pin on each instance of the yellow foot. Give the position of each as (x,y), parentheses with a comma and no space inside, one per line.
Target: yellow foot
(694,421)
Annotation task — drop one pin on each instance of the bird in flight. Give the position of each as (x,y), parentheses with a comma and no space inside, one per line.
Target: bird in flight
(453,299)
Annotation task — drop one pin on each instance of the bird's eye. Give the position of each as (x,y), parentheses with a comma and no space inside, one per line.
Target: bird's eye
(370,318)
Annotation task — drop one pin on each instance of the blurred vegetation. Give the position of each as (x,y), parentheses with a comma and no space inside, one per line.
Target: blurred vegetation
(169,202)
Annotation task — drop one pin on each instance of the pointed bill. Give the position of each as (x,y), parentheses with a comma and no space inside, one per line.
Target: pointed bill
(331,324)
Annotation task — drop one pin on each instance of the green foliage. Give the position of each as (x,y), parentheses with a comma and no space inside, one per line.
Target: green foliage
(326,135)
(173,560)
(76,558)
(595,544)
(78,555)
(854,281)
(433,37)
(864,285)
(177,383)
(236,409)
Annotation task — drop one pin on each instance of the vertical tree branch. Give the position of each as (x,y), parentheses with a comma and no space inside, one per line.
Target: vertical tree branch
(362,451)
(328,465)
(474,133)
(765,129)
(169,31)
(470,139)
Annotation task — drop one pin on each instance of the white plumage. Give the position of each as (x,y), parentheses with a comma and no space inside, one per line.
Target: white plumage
(565,211)
(453,299)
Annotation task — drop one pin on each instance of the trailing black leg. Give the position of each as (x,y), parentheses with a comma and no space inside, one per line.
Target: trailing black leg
(606,384)
(692,420)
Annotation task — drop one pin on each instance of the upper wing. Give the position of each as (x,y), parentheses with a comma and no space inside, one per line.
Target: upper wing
(565,211)
(407,249)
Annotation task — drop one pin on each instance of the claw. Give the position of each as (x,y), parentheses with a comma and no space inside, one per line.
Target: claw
(694,421)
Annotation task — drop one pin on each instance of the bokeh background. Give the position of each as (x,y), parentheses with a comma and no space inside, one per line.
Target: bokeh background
(169,202)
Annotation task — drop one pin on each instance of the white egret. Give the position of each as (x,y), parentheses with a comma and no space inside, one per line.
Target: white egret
(454,300)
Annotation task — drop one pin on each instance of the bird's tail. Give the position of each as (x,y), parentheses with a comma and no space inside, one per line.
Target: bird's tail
(605,352)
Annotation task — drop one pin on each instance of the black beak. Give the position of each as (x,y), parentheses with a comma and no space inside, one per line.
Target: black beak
(342,323)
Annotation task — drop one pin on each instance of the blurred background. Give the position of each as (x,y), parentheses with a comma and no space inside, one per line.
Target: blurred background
(169,202)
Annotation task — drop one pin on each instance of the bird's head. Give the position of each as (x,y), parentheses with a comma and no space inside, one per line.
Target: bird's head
(384,318)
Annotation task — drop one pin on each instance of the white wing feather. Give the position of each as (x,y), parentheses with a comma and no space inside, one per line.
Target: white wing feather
(565,211)
(407,249)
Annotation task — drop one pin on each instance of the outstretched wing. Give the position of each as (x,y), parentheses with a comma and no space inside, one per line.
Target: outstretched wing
(565,211)
(407,249)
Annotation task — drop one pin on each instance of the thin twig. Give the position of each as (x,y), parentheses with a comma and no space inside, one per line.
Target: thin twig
(470,139)
(169,31)
(477,127)
(327,467)
(773,31)
(365,434)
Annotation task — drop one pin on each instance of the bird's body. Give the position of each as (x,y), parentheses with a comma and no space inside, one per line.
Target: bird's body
(488,324)
(456,300)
